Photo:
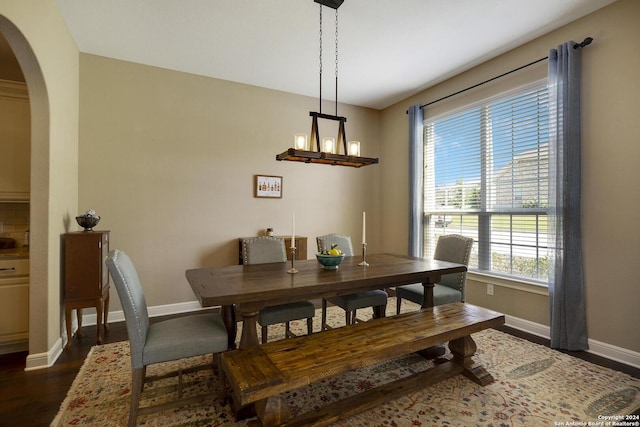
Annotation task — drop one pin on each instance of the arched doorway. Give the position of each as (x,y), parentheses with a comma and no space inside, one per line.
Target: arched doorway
(15,147)
(39,212)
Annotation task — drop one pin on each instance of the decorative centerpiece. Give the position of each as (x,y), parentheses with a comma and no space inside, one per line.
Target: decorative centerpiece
(88,220)
(330,259)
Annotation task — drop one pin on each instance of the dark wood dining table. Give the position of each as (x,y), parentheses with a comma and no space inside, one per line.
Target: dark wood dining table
(252,287)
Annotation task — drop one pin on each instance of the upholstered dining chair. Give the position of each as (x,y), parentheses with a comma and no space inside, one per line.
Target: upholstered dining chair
(451,248)
(352,302)
(164,341)
(263,250)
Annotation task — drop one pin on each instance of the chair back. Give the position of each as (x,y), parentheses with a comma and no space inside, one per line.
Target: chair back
(454,248)
(263,250)
(133,303)
(343,242)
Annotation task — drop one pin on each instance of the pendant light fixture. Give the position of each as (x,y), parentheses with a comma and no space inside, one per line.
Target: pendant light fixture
(327,150)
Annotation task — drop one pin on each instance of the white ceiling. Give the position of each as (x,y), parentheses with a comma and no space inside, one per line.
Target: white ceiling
(388,49)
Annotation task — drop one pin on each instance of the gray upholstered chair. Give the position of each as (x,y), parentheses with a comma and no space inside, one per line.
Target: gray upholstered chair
(164,341)
(352,302)
(263,250)
(452,248)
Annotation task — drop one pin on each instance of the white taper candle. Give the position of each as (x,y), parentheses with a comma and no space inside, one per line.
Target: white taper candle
(364,228)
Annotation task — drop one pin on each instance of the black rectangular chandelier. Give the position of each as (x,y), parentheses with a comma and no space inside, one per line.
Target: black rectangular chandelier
(327,151)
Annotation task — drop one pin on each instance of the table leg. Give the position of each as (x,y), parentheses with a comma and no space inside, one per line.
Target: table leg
(249,336)
(228,314)
(273,411)
(99,310)
(379,311)
(67,319)
(428,301)
(79,316)
(106,312)
(462,350)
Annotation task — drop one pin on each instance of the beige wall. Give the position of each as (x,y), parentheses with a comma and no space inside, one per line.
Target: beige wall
(167,159)
(611,152)
(49,60)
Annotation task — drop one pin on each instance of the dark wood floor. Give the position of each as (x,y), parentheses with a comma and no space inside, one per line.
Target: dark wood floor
(33,398)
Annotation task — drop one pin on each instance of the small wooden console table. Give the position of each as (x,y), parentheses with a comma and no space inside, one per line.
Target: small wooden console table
(86,278)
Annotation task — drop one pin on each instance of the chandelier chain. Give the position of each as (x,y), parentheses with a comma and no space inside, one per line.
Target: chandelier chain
(320,58)
(336,44)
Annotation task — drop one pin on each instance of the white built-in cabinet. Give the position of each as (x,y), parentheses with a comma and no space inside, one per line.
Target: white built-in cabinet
(14,315)
(15,141)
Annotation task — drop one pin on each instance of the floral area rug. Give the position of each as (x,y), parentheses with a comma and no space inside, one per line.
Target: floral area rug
(534,386)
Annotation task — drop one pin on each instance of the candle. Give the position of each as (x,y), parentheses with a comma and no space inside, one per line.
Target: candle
(328,145)
(293,228)
(300,141)
(364,228)
(354,148)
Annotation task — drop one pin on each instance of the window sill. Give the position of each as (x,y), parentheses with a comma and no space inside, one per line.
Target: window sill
(521,285)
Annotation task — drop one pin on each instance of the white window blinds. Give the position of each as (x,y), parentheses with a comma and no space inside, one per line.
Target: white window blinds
(486,176)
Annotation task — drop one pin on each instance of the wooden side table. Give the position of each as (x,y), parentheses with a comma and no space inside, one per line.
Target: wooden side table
(86,278)
(301,247)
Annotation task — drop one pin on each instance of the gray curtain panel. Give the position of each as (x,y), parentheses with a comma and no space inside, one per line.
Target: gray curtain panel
(416,183)
(566,276)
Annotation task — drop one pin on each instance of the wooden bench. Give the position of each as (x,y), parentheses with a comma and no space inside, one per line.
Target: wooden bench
(260,374)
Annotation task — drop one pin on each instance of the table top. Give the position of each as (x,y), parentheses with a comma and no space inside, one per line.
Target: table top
(255,284)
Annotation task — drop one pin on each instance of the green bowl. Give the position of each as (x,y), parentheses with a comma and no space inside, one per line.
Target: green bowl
(330,262)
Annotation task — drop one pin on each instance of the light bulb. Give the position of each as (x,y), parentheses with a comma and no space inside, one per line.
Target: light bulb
(300,141)
(329,145)
(354,148)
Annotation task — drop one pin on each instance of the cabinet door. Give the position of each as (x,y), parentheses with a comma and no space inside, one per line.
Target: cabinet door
(84,272)
(15,140)
(14,312)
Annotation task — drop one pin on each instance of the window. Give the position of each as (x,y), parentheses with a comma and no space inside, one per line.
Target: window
(486,177)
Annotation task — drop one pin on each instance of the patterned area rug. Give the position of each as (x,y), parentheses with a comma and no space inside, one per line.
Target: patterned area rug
(534,386)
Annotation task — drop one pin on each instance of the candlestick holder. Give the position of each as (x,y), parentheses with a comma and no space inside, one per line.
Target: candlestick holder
(364,262)
(292,270)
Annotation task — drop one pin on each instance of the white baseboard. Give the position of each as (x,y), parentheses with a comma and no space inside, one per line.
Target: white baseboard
(619,354)
(612,352)
(537,329)
(158,310)
(44,360)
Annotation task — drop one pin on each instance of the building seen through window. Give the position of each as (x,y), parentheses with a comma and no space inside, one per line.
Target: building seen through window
(487,176)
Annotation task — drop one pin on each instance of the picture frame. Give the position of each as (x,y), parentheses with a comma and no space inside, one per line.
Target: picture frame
(267,186)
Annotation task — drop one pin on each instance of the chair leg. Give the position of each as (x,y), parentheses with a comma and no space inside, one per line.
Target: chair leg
(398,303)
(309,325)
(180,383)
(222,385)
(264,334)
(323,325)
(287,330)
(137,382)
(215,362)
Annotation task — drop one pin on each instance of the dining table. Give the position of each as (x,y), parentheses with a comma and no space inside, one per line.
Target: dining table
(248,288)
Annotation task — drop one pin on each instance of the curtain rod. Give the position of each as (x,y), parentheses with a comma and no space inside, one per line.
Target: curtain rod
(587,41)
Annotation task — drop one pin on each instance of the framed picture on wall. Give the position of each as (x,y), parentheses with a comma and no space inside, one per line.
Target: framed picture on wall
(268,186)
